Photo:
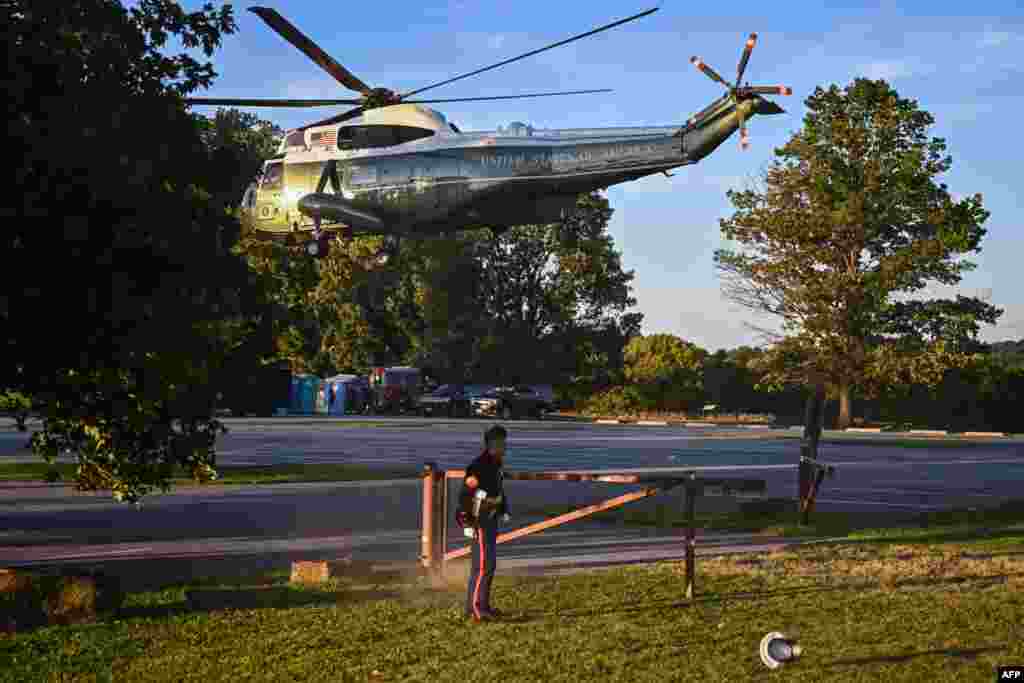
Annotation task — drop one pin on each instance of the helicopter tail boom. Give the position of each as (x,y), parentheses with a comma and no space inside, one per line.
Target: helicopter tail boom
(721,120)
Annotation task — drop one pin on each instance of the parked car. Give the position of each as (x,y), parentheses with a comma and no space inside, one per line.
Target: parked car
(393,390)
(447,399)
(510,403)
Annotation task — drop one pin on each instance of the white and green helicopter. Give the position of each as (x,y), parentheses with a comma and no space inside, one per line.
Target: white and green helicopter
(396,168)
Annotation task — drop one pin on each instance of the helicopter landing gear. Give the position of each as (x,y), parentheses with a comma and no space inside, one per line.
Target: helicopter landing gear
(320,246)
(389,251)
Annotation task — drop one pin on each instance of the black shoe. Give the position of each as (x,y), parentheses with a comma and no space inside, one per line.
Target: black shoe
(493,612)
(484,616)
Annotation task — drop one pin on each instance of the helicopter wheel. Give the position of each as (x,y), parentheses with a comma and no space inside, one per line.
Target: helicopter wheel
(389,252)
(320,246)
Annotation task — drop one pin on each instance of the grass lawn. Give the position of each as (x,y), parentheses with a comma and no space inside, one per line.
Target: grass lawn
(895,612)
(232,475)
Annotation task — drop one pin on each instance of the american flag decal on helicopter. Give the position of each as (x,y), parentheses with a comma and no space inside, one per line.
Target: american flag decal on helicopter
(327,138)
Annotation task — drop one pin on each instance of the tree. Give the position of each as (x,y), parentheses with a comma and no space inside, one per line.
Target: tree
(666,370)
(552,296)
(851,221)
(124,309)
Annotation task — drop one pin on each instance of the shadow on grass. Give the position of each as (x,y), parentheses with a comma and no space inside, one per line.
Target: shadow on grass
(968,654)
(938,536)
(272,597)
(753,596)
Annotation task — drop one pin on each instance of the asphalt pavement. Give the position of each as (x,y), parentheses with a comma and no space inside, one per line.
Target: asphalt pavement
(191,530)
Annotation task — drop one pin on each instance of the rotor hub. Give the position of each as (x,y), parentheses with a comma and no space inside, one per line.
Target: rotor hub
(737,93)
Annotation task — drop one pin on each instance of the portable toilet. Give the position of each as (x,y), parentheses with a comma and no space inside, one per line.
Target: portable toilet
(305,393)
(338,388)
(335,395)
(320,394)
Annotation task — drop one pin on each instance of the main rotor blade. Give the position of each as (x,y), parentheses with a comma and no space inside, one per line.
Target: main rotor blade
(350,114)
(767,90)
(267,103)
(533,52)
(751,41)
(507,97)
(294,36)
(708,71)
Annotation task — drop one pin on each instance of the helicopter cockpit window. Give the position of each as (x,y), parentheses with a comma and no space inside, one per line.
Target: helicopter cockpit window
(368,137)
(273,174)
(296,139)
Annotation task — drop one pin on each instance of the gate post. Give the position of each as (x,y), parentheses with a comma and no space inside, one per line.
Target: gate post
(691,541)
(814,417)
(430,519)
(441,528)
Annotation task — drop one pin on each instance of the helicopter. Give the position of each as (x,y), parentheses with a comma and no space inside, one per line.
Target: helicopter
(396,168)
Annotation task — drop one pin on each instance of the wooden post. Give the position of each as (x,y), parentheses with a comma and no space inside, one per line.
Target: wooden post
(691,534)
(429,524)
(814,417)
(441,507)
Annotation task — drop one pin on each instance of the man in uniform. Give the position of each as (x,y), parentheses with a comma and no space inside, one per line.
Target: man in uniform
(484,483)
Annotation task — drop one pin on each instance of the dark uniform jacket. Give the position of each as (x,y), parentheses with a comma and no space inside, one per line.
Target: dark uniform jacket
(490,478)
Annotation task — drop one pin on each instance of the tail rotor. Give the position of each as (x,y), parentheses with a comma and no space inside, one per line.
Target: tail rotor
(737,93)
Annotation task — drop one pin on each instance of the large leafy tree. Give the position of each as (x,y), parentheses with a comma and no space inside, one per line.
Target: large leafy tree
(123,307)
(666,370)
(850,225)
(554,298)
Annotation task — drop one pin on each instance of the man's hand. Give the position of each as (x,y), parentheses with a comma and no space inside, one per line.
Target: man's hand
(506,517)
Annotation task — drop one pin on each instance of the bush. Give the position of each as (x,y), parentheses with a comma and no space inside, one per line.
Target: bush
(613,401)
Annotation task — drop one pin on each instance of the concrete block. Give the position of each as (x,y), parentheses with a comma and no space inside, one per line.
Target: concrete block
(607,422)
(319,571)
(985,434)
(699,424)
(657,423)
(865,430)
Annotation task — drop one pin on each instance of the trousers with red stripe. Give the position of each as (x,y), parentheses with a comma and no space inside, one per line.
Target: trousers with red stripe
(485,546)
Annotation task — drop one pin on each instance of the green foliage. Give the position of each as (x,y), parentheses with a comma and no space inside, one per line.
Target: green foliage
(850,216)
(124,309)
(615,401)
(537,303)
(665,370)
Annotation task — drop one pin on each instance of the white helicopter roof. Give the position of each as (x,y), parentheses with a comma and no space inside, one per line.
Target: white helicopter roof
(402,115)
(411,115)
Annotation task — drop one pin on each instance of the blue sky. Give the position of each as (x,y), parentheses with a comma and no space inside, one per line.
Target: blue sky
(961,61)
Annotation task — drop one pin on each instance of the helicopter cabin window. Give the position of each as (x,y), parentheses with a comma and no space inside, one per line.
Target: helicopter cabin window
(273,174)
(296,139)
(368,137)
